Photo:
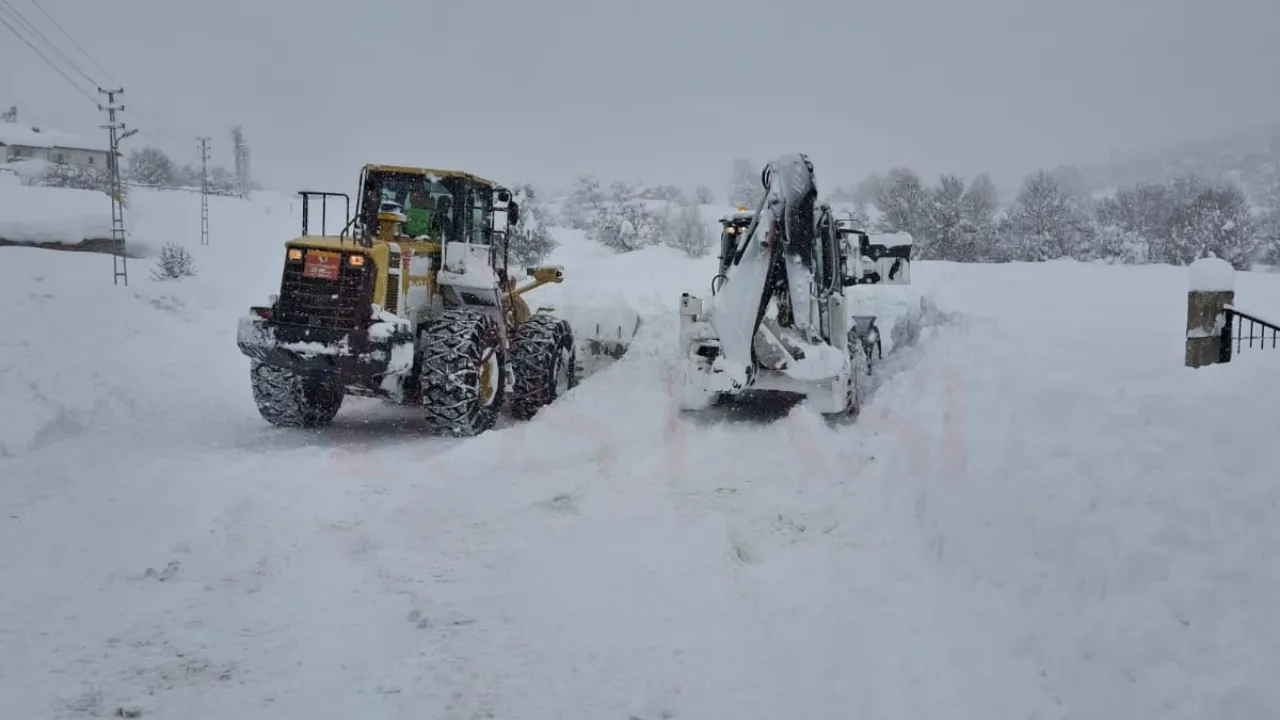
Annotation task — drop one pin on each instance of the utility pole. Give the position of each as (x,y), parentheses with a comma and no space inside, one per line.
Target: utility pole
(244,166)
(204,191)
(118,257)
(237,147)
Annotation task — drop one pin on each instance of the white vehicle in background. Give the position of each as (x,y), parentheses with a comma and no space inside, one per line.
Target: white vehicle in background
(777,318)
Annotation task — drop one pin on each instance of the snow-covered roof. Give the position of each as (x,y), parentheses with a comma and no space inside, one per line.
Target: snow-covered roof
(36,136)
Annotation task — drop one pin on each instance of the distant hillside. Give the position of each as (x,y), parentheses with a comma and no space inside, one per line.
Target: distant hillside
(1249,159)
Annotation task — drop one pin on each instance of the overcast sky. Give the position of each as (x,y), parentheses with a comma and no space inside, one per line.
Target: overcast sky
(661,91)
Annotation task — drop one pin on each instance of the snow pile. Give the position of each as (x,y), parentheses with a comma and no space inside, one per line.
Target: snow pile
(81,355)
(51,215)
(1212,275)
(1118,498)
(35,214)
(820,362)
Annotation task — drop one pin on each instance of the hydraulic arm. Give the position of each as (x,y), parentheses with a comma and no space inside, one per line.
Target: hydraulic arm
(773,259)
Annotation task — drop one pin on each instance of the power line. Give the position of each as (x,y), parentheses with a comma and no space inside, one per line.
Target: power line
(157,118)
(17,21)
(30,27)
(57,69)
(73,40)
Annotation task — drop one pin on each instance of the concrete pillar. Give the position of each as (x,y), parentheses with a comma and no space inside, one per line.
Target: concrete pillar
(1212,289)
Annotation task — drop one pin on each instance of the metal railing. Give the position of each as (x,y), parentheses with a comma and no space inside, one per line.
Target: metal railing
(1234,333)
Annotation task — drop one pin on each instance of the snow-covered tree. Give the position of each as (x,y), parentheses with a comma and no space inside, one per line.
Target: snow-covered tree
(670,193)
(1118,244)
(703,195)
(222,182)
(1269,236)
(979,207)
(627,226)
(943,229)
(174,263)
(585,201)
(687,231)
(1046,223)
(901,199)
(1213,220)
(1145,209)
(78,177)
(150,166)
(531,241)
(981,201)
(744,185)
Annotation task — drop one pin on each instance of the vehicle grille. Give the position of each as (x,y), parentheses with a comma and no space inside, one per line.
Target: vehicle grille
(393,294)
(320,302)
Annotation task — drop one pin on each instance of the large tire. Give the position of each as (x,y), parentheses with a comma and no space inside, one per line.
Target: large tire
(860,376)
(287,399)
(463,373)
(543,360)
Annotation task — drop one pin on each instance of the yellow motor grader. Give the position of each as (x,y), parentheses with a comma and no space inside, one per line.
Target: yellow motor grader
(411,302)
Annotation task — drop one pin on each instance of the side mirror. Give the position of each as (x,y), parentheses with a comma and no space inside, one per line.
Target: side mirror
(513,213)
(504,196)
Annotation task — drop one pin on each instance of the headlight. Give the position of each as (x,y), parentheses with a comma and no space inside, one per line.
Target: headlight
(357,261)
(295,254)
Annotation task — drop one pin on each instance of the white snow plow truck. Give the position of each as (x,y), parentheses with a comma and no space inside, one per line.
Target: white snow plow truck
(777,318)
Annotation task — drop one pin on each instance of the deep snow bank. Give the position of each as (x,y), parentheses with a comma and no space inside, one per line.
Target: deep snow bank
(1123,502)
(33,214)
(80,354)
(48,215)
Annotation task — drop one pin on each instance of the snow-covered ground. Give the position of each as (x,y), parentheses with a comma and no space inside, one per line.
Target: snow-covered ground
(1040,514)
(33,215)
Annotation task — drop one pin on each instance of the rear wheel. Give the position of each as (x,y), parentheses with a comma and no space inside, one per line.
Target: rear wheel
(462,375)
(287,399)
(543,362)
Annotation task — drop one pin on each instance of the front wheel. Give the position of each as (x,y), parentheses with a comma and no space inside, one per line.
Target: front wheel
(287,399)
(463,373)
(543,361)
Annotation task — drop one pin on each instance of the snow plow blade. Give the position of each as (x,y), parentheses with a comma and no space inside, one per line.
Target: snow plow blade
(602,334)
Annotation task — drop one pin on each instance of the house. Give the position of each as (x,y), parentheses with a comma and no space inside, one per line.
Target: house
(20,142)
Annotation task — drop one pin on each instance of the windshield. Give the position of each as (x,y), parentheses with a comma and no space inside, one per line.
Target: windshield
(428,203)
